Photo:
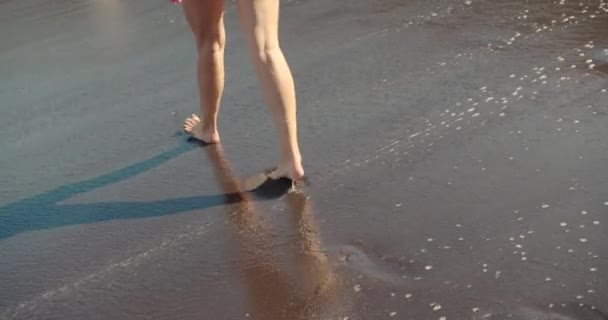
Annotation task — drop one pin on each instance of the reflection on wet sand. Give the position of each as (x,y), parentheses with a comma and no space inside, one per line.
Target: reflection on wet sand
(307,290)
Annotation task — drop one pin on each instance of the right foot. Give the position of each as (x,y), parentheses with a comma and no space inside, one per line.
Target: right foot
(194,127)
(292,170)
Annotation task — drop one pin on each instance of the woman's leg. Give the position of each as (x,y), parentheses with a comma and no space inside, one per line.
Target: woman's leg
(260,23)
(206,19)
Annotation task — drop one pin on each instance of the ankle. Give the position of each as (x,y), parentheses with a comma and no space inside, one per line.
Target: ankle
(209,128)
(291,160)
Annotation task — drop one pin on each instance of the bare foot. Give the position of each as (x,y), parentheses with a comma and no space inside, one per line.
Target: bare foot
(194,127)
(291,170)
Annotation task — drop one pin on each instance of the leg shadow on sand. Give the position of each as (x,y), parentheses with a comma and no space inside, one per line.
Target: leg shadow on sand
(298,284)
(45,211)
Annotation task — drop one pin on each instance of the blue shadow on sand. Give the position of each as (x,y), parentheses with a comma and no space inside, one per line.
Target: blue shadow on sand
(42,211)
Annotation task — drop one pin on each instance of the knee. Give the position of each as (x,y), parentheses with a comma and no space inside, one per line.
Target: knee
(211,42)
(266,54)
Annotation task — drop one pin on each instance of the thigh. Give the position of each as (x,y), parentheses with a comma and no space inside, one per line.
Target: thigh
(260,23)
(205,17)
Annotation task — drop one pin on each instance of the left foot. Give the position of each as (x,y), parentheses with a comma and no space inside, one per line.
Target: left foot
(194,127)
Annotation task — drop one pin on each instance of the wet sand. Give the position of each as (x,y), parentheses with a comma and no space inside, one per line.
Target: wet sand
(456,153)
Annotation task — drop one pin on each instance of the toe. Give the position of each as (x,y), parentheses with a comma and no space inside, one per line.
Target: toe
(192,122)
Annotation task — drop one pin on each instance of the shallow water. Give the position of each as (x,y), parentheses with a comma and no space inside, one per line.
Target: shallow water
(455,149)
